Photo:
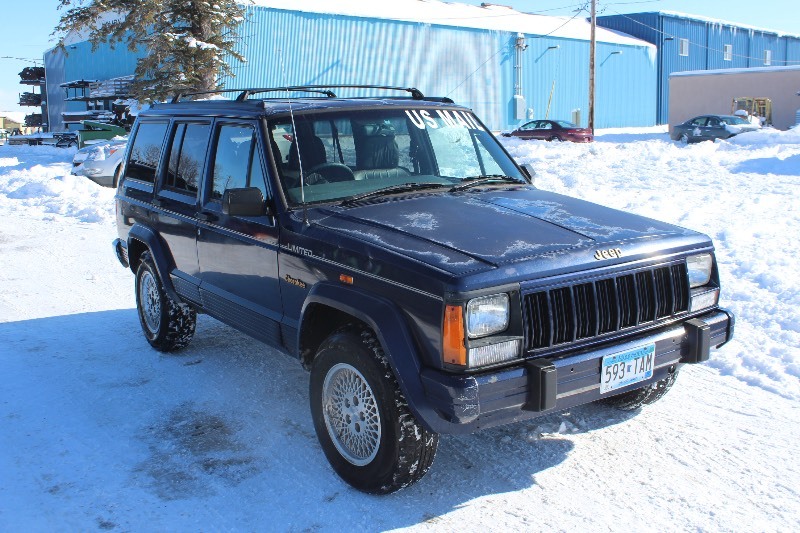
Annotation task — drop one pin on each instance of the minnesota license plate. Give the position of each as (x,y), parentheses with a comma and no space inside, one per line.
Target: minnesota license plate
(626,368)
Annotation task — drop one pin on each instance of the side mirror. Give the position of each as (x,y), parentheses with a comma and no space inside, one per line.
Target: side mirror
(246,202)
(529,172)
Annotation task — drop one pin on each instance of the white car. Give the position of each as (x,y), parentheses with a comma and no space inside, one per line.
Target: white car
(100,162)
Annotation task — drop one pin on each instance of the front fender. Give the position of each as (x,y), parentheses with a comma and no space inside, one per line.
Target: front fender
(391,328)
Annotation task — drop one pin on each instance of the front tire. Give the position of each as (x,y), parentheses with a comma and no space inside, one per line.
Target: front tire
(168,325)
(632,400)
(684,139)
(361,417)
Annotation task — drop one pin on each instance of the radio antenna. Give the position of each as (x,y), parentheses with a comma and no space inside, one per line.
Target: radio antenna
(296,143)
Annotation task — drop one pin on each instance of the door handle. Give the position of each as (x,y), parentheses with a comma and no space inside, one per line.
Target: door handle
(207,216)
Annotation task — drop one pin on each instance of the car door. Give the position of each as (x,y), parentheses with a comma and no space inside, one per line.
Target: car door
(543,130)
(238,255)
(715,129)
(526,130)
(697,129)
(177,196)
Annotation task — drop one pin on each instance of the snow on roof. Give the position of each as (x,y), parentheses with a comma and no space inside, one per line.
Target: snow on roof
(723,71)
(490,17)
(720,22)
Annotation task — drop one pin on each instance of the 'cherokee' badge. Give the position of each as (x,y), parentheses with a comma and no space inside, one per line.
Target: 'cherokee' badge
(611,253)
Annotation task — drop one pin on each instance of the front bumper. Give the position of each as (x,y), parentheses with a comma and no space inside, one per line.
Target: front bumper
(544,385)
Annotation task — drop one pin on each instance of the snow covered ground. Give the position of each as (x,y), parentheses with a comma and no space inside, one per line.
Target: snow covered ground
(98,431)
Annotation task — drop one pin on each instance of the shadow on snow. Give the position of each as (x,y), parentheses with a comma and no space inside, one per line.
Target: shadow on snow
(228,418)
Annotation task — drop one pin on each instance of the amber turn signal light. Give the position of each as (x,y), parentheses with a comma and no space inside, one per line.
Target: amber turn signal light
(344,278)
(453,349)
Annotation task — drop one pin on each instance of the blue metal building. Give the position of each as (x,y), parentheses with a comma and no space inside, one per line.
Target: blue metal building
(478,56)
(689,43)
(79,62)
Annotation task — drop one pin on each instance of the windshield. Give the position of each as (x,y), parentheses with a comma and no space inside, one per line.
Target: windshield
(735,120)
(346,154)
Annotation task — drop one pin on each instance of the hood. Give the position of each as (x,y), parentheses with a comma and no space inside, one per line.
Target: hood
(460,232)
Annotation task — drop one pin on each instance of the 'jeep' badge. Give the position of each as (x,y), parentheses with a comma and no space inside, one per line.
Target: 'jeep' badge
(611,253)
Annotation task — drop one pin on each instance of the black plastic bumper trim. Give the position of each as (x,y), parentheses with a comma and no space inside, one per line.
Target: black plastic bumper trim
(542,385)
(699,337)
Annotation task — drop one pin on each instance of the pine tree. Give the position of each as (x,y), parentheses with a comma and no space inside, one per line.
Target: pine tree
(187,44)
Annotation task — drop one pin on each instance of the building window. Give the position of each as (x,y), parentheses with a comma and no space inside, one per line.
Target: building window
(683,47)
(767,57)
(727,52)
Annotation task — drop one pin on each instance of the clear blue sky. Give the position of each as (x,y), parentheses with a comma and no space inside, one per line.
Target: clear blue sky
(29,23)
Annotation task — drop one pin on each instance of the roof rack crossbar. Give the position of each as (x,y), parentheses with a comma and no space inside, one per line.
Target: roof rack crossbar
(245,94)
(416,94)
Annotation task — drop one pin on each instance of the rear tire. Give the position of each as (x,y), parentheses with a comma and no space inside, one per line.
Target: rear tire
(168,325)
(632,400)
(555,138)
(361,417)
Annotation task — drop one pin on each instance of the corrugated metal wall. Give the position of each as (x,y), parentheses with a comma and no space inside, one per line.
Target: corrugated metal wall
(294,48)
(473,67)
(707,42)
(54,77)
(81,63)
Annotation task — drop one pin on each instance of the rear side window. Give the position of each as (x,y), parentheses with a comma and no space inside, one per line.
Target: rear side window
(186,157)
(236,162)
(146,151)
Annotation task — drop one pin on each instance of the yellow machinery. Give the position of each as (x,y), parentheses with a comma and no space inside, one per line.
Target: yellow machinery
(758,106)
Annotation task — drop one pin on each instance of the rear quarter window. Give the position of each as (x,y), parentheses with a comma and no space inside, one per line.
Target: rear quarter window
(146,151)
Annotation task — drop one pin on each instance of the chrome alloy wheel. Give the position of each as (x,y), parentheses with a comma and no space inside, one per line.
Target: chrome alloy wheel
(151,301)
(351,414)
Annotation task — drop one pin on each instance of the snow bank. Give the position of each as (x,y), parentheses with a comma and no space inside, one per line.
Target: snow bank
(37,180)
(101,432)
(742,192)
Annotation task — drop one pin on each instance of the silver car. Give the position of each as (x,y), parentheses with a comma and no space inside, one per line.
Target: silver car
(100,162)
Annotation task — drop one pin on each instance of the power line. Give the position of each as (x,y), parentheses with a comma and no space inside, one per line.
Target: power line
(34,61)
(577,12)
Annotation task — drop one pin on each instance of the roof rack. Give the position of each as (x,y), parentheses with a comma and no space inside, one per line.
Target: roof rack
(416,94)
(244,93)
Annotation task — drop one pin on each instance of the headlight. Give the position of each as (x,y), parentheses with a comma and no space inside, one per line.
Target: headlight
(487,315)
(699,269)
(97,154)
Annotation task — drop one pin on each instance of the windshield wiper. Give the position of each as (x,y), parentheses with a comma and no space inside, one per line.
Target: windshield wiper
(466,183)
(403,187)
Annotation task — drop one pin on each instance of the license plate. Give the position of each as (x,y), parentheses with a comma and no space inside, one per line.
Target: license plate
(626,368)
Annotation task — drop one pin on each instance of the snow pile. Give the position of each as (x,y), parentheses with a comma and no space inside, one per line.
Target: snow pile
(742,192)
(101,432)
(42,185)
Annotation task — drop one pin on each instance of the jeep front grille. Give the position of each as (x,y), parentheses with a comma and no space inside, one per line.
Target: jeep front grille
(581,311)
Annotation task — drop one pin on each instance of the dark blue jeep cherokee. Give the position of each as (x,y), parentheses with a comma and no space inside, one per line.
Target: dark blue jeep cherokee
(395,248)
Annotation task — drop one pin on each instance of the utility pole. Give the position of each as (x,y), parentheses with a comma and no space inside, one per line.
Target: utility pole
(592,46)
